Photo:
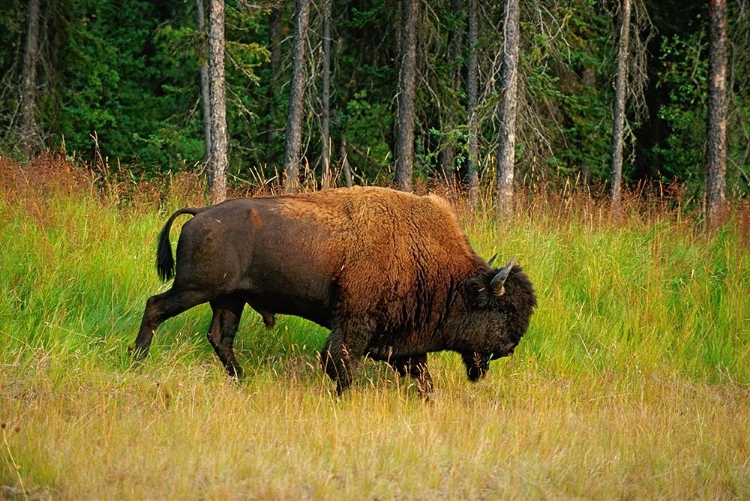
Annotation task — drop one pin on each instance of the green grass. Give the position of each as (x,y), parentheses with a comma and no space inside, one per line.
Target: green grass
(632,382)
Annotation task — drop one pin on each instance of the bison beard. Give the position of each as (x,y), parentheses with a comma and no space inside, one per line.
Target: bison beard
(391,274)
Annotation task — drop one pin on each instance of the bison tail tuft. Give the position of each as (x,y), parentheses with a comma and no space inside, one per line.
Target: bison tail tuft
(164,259)
(165,265)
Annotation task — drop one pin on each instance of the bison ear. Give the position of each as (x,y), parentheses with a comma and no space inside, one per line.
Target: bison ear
(479,291)
(499,280)
(490,260)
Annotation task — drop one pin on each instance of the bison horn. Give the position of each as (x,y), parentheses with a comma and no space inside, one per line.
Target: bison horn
(499,280)
(492,259)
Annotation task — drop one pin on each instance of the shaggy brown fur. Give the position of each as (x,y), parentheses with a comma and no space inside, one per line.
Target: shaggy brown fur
(390,273)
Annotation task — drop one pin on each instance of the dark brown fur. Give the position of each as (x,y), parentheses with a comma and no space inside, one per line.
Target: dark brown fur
(391,274)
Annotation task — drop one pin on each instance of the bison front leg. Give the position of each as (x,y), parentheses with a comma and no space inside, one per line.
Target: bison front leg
(341,353)
(416,367)
(226,320)
(336,359)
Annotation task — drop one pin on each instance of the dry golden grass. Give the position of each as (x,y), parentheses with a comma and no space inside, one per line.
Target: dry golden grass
(632,383)
(182,431)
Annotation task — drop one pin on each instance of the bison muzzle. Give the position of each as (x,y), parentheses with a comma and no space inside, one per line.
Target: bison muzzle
(391,274)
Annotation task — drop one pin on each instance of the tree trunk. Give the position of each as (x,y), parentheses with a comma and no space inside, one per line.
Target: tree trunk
(29,138)
(716,134)
(276,37)
(508,108)
(472,85)
(294,114)
(205,84)
(589,81)
(621,81)
(217,167)
(326,111)
(406,94)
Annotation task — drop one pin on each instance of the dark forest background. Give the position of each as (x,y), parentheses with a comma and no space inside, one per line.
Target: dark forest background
(118,83)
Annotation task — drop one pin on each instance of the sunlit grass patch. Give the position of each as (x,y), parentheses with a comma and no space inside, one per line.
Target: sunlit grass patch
(631,382)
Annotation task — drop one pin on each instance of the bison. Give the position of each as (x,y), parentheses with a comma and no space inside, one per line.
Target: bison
(391,274)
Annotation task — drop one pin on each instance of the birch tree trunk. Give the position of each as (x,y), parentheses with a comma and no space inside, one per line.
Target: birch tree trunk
(406,94)
(205,84)
(29,138)
(217,166)
(294,113)
(618,125)
(716,134)
(508,108)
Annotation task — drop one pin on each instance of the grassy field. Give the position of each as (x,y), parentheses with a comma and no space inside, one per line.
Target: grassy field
(633,381)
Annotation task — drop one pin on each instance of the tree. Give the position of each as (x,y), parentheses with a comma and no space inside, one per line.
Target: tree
(618,125)
(508,108)
(325,136)
(297,94)
(716,134)
(446,158)
(472,86)
(218,157)
(205,82)
(406,92)
(29,138)
(275,39)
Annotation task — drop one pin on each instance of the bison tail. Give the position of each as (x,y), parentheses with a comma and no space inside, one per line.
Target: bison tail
(165,266)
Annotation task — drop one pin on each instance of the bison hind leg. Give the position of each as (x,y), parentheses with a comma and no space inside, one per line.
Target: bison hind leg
(227,314)
(160,308)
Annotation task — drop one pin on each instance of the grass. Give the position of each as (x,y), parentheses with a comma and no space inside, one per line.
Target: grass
(633,381)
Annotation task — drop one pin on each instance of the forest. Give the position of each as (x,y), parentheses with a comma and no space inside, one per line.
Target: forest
(119,84)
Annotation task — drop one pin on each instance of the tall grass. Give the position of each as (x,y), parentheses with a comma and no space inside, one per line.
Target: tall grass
(632,382)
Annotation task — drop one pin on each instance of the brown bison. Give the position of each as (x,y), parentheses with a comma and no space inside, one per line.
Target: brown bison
(391,274)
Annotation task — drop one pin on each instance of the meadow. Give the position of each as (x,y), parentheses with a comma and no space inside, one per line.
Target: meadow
(633,381)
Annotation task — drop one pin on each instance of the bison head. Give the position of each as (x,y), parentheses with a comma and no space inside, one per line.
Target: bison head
(501,302)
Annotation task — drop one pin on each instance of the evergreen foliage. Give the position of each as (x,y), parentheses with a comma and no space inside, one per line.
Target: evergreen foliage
(119,82)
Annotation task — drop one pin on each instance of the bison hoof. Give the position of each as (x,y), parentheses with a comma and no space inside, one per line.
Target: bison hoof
(137,353)
(236,373)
